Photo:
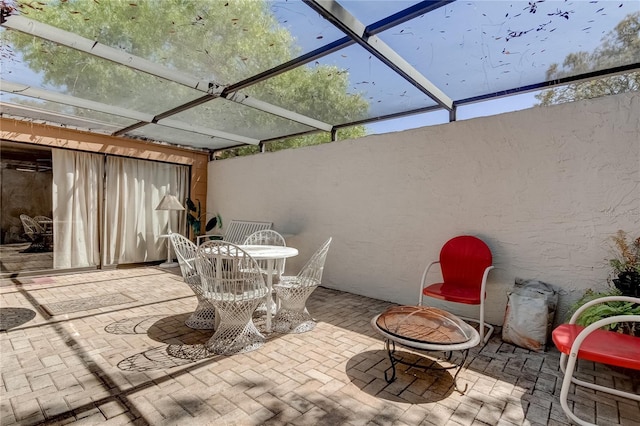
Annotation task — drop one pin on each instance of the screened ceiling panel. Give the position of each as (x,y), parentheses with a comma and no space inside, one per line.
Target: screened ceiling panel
(215,74)
(369,12)
(14,68)
(179,137)
(369,87)
(472,48)
(214,40)
(309,31)
(233,117)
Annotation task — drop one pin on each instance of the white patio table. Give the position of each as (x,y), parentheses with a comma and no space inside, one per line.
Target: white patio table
(270,254)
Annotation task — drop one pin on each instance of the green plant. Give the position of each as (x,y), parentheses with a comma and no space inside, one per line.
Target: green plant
(195,216)
(626,264)
(605,310)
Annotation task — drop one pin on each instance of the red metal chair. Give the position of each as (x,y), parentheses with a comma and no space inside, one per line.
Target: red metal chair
(592,343)
(465,262)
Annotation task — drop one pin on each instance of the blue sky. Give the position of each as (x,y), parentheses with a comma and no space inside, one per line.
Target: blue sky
(480,109)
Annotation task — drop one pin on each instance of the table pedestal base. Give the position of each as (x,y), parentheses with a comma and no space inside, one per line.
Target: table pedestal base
(390,346)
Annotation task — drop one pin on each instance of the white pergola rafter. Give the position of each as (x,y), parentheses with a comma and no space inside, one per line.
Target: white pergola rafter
(276,110)
(347,23)
(24,90)
(74,41)
(92,47)
(24,112)
(46,95)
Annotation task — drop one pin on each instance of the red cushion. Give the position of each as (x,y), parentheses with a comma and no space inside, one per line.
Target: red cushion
(453,293)
(606,347)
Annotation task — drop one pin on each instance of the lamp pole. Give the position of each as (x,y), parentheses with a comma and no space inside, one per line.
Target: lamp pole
(169,203)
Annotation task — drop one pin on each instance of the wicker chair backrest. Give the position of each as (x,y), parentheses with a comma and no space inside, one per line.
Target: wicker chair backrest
(268,237)
(185,251)
(31,227)
(311,272)
(228,273)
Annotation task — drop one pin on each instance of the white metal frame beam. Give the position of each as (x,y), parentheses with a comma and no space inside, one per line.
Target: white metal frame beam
(92,47)
(38,115)
(347,23)
(46,95)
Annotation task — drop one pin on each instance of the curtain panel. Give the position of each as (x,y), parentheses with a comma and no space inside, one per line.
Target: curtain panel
(77,199)
(133,227)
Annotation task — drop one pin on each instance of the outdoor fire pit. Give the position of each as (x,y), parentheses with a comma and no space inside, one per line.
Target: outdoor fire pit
(424,329)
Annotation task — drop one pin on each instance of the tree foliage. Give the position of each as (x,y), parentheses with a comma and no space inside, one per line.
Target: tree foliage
(620,46)
(217,41)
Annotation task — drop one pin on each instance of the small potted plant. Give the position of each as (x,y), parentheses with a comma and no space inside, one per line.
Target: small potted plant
(195,217)
(625,277)
(626,264)
(605,310)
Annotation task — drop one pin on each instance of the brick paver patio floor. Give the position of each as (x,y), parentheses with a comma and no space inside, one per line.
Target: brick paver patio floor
(137,363)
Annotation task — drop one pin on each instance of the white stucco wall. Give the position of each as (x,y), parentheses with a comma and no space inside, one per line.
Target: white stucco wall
(543,187)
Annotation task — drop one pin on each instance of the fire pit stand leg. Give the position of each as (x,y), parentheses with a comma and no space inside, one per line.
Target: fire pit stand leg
(455,376)
(390,346)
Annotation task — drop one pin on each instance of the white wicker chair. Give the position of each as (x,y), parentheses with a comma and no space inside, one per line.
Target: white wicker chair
(271,238)
(32,229)
(236,231)
(232,282)
(204,317)
(41,239)
(293,292)
(46,228)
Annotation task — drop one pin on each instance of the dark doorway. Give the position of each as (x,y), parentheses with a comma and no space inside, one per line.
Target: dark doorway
(26,180)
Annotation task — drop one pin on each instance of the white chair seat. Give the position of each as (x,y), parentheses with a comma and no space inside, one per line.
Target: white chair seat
(230,297)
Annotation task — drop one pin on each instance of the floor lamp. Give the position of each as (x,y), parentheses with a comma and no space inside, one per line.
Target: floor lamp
(169,202)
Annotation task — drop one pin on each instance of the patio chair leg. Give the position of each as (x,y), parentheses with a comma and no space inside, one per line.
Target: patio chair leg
(564,392)
(235,332)
(293,316)
(203,318)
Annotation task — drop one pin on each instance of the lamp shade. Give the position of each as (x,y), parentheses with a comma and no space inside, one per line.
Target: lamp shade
(169,202)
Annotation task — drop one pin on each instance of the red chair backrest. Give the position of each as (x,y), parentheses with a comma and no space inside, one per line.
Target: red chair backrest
(463,261)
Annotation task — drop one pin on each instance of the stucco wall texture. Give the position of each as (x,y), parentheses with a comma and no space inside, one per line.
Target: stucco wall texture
(545,188)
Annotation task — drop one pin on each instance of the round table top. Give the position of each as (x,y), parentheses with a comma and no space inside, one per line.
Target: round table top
(260,252)
(424,324)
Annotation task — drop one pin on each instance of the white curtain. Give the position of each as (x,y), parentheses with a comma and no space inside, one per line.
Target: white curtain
(133,226)
(77,195)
